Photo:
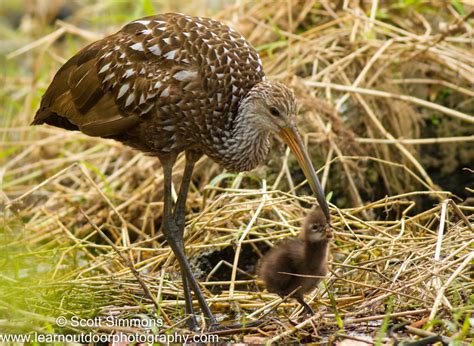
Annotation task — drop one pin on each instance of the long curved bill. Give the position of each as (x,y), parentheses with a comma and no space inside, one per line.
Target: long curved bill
(292,138)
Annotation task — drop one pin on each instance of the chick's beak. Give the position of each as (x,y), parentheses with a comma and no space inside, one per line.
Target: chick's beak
(329,233)
(292,138)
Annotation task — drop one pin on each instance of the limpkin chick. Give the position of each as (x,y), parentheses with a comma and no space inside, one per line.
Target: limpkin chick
(307,255)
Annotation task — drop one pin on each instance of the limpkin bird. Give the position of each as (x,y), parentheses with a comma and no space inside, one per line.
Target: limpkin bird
(307,255)
(173,83)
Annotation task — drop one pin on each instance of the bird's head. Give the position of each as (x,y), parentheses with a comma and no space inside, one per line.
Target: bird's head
(315,227)
(271,106)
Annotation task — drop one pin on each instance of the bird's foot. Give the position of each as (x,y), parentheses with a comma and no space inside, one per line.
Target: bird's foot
(305,315)
(192,323)
(308,310)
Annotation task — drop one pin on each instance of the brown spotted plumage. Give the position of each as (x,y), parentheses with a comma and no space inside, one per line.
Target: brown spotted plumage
(306,256)
(170,72)
(170,83)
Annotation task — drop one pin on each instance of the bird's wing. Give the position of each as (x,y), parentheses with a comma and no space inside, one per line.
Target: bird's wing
(289,258)
(109,85)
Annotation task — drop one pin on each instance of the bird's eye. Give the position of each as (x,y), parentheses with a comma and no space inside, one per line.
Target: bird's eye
(274,111)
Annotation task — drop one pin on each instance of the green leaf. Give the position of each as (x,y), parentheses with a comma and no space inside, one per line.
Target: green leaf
(329,196)
(381,14)
(385,323)
(339,321)
(435,120)
(459,7)
(271,46)
(218,179)
(148,8)
(7,152)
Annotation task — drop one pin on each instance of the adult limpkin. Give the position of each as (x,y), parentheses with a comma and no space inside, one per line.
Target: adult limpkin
(170,83)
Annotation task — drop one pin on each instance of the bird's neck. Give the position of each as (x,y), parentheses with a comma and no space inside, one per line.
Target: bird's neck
(242,146)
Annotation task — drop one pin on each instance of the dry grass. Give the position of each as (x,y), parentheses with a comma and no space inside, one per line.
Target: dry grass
(377,86)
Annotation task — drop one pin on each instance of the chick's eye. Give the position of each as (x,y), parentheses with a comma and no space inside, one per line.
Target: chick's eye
(274,111)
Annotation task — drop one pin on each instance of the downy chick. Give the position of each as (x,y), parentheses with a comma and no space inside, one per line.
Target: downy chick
(307,255)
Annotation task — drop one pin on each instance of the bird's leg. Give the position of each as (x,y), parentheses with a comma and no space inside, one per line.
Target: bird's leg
(179,209)
(171,232)
(179,217)
(305,305)
(173,228)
